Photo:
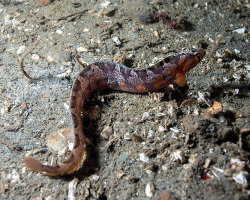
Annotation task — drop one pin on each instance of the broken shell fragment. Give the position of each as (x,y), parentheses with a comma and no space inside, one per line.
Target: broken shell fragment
(116,40)
(72,188)
(120,174)
(215,109)
(161,129)
(149,190)
(143,157)
(60,140)
(106,132)
(241,178)
(178,155)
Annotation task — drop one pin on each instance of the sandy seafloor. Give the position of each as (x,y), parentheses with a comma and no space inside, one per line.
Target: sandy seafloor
(149,143)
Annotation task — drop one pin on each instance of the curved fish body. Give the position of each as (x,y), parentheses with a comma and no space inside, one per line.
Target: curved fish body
(105,75)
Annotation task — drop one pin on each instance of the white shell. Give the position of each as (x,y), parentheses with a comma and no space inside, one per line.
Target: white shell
(149,190)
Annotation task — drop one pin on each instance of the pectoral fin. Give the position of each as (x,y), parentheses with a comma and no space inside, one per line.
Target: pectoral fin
(181,80)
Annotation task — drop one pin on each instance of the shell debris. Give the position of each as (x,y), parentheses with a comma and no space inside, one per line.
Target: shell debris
(60,140)
(161,129)
(149,190)
(21,49)
(81,49)
(106,132)
(240,30)
(120,174)
(105,4)
(127,136)
(94,177)
(72,188)
(178,155)
(35,57)
(116,40)
(241,178)
(145,116)
(143,157)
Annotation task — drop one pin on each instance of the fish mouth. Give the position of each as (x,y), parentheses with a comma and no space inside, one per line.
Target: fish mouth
(200,53)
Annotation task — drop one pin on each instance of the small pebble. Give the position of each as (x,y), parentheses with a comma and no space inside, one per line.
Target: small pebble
(94,177)
(21,49)
(156,34)
(46,93)
(237,51)
(150,134)
(207,163)
(49,59)
(116,40)
(170,109)
(225,79)
(193,159)
(137,137)
(81,49)
(85,30)
(45,2)
(145,116)
(167,195)
(164,167)
(59,32)
(174,129)
(215,109)
(71,146)
(105,4)
(66,106)
(120,174)
(160,115)
(35,57)
(108,12)
(43,135)
(3,111)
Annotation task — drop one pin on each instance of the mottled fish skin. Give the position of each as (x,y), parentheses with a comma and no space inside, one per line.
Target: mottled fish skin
(107,75)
